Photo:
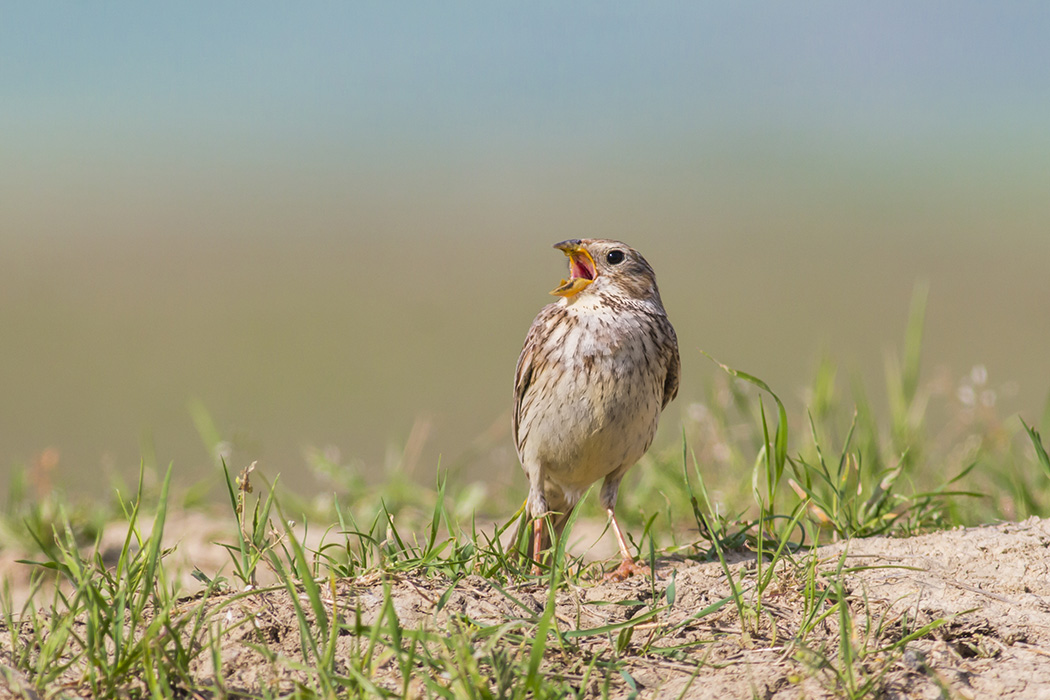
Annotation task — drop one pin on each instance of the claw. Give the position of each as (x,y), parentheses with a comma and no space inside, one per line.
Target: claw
(627,567)
(625,570)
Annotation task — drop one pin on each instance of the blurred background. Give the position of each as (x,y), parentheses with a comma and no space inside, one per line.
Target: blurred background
(325,229)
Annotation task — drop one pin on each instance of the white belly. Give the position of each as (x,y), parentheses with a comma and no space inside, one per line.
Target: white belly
(598,426)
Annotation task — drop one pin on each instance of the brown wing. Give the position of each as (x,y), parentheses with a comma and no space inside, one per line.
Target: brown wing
(674,370)
(522,381)
(523,374)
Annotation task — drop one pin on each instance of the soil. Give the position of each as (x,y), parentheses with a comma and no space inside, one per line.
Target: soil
(985,592)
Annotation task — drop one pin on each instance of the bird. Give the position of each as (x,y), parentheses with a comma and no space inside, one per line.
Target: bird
(597,368)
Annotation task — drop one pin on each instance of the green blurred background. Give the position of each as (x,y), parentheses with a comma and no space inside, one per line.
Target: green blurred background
(329,226)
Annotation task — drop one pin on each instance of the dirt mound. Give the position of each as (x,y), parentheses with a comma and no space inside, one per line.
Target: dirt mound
(963,613)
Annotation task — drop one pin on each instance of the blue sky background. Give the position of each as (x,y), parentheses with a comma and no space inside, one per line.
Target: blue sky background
(123,81)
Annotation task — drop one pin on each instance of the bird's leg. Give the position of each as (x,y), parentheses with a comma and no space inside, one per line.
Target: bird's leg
(536,508)
(627,567)
(537,543)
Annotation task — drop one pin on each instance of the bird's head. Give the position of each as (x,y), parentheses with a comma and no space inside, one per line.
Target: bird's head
(599,266)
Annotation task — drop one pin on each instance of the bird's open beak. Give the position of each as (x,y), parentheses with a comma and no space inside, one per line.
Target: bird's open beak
(581,269)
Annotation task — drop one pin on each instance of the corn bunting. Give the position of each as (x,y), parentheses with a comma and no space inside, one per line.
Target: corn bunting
(598,367)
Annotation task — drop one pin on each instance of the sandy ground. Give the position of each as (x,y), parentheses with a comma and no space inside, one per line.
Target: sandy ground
(989,587)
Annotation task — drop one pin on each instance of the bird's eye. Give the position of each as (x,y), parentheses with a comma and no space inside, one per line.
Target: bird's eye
(614,257)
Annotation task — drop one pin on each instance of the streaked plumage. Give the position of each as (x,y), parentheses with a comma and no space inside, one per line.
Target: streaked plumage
(597,368)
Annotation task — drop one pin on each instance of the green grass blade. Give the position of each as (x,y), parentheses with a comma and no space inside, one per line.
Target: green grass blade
(1037,443)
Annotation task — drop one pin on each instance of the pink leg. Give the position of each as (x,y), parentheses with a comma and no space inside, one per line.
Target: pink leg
(627,567)
(537,544)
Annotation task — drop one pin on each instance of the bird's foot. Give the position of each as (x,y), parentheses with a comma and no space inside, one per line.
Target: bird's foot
(626,569)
